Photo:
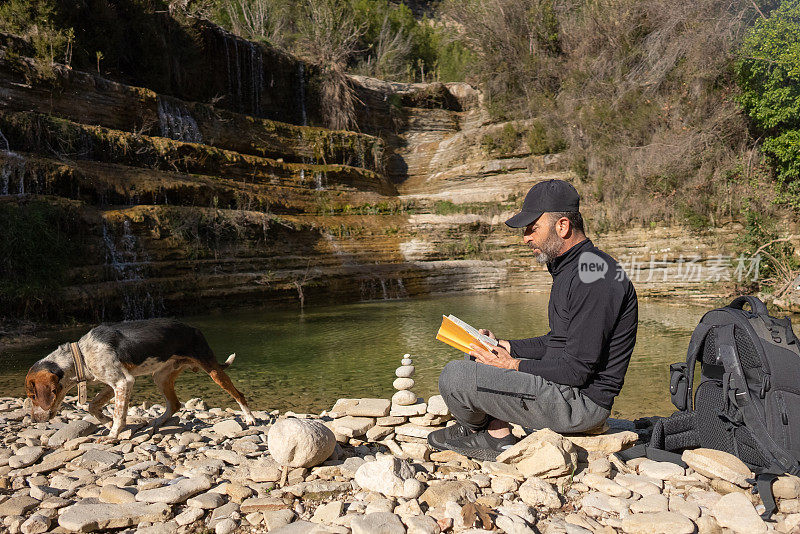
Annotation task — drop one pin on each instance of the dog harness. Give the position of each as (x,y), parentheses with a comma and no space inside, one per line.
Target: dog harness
(80,373)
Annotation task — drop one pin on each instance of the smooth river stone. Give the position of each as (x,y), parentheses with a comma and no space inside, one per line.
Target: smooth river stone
(403,383)
(404,398)
(300,442)
(406,361)
(405,371)
(91,517)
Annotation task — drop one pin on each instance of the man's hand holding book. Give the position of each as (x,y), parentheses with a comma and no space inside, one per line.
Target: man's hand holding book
(480,344)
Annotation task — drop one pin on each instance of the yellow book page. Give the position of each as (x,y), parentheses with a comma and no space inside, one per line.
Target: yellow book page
(454,344)
(455,336)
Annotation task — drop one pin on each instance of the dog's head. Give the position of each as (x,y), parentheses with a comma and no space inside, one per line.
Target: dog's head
(44,389)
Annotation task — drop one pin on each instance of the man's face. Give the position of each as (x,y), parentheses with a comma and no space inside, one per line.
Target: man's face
(541,236)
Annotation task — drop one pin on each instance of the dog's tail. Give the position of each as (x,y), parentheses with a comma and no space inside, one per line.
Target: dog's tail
(229,361)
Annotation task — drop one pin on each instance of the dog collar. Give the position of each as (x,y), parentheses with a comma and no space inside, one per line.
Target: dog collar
(80,372)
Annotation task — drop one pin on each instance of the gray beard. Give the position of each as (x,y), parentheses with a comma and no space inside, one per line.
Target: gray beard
(550,248)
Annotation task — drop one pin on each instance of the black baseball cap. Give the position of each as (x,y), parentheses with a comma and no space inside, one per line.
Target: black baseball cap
(547,196)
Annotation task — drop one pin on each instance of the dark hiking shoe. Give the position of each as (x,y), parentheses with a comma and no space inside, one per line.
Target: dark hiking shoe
(480,445)
(440,439)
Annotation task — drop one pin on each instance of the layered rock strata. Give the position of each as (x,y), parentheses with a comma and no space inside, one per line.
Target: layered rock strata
(179,204)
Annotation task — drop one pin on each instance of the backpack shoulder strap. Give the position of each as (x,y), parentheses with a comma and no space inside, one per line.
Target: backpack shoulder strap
(739,395)
(682,374)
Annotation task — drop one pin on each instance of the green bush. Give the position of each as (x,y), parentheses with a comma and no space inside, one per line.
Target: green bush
(783,150)
(768,70)
(544,140)
(34,20)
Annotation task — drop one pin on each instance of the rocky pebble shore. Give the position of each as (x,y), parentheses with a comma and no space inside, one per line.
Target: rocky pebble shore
(362,467)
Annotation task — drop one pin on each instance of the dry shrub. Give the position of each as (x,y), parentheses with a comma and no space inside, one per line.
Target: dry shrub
(267,20)
(641,89)
(329,38)
(392,50)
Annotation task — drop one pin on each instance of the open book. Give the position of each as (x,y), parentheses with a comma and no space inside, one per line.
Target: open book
(460,335)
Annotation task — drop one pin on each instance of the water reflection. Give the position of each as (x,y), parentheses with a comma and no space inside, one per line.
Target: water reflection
(305,360)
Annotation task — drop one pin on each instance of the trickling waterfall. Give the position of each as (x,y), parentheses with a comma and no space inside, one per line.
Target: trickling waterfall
(318,179)
(382,289)
(5,175)
(238,74)
(257,63)
(12,173)
(128,268)
(401,289)
(245,69)
(254,78)
(176,122)
(123,259)
(301,75)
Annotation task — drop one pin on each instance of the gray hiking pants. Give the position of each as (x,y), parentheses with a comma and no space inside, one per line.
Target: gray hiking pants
(476,392)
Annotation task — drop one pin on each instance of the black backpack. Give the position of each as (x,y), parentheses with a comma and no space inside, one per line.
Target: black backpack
(747,402)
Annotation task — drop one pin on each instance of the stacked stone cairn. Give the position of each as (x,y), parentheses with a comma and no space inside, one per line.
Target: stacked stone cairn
(402,423)
(363,467)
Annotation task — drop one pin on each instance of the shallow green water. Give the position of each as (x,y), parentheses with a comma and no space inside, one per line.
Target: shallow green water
(305,360)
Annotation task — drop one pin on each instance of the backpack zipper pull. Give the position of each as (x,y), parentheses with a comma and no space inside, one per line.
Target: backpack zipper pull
(765,385)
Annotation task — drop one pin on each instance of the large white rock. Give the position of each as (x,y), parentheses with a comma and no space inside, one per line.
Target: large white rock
(385,475)
(300,442)
(229,428)
(91,517)
(610,441)
(651,504)
(377,523)
(536,492)
(786,487)
(604,485)
(657,523)
(659,470)
(177,491)
(72,430)
(353,426)
(36,524)
(370,408)
(640,484)
(25,456)
(736,512)
(718,464)
(408,411)
(437,406)
(596,504)
(543,453)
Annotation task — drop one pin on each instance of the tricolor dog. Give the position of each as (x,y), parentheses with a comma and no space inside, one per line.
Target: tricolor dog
(115,354)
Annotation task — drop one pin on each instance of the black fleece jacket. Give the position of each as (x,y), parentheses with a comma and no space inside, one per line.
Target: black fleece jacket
(593,320)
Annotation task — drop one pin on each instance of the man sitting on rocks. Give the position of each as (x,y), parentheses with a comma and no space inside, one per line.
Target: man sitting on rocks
(565,380)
